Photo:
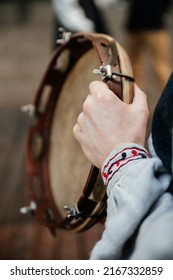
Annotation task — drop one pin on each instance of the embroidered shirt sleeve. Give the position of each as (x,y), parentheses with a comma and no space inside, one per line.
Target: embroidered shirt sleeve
(117,161)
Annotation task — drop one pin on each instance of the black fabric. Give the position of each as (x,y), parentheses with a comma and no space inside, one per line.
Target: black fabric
(170,189)
(146,14)
(162,126)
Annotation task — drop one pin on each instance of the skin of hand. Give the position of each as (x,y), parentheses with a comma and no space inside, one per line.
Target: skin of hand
(106,122)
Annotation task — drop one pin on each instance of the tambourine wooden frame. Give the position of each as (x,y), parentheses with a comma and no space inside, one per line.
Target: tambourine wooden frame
(38,139)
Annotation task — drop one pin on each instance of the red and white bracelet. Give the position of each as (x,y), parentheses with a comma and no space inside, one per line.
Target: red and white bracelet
(117,159)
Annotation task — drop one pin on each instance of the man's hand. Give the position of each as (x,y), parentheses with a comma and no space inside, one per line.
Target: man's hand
(106,122)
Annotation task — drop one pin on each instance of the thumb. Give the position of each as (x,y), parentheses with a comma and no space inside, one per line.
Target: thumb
(140,98)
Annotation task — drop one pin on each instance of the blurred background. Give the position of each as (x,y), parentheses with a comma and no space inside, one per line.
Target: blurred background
(28,31)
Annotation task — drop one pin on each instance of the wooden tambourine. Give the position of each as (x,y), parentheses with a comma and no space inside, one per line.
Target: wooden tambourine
(65,191)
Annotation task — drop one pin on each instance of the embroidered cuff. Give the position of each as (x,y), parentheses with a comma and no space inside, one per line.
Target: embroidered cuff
(120,158)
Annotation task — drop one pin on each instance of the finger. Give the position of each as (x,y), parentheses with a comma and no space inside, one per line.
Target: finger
(97,85)
(87,104)
(77,132)
(80,120)
(100,90)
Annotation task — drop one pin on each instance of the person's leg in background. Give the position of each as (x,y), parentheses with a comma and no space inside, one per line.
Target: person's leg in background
(135,46)
(159,45)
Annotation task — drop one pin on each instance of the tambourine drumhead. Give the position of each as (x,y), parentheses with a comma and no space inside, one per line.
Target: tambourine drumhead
(68,166)
(58,173)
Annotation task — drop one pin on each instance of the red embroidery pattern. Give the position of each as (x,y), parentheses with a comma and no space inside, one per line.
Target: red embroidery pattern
(120,159)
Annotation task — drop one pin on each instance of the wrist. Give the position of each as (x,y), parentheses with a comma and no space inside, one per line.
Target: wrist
(117,161)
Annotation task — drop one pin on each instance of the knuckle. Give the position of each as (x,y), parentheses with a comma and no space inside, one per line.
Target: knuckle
(86,105)
(79,118)
(109,99)
(95,86)
(75,131)
(143,112)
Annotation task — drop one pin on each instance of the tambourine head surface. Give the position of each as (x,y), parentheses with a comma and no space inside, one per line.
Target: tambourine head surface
(68,166)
